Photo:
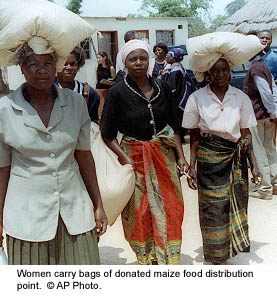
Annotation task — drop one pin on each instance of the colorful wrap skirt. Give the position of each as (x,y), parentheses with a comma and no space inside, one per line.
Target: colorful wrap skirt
(223,197)
(64,249)
(153,217)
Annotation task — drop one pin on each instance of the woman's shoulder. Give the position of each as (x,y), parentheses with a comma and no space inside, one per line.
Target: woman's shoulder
(239,93)
(70,97)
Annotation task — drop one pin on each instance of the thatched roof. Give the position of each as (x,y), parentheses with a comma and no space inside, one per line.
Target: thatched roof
(256,15)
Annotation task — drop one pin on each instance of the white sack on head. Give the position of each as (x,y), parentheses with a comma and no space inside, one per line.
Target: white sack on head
(205,50)
(21,21)
(116,182)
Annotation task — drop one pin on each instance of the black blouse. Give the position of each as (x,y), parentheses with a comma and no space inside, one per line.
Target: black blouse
(103,73)
(127,110)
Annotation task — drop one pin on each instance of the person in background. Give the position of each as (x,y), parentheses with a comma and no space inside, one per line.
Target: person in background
(160,50)
(129,35)
(66,79)
(265,37)
(141,108)
(105,73)
(219,117)
(259,85)
(50,203)
(178,81)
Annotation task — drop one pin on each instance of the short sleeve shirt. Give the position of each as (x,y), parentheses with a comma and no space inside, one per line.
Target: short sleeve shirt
(225,119)
(45,181)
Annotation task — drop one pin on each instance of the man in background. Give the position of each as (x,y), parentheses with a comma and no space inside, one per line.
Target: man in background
(259,85)
(129,35)
(270,57)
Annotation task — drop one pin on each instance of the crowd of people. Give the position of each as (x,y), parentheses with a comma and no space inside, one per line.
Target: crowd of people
(50,203)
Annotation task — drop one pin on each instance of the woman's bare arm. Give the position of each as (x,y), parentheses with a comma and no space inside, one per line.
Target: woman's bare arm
(113,144)
(182,162)
(194,142)
(257,176)
(4,180)
(88,173)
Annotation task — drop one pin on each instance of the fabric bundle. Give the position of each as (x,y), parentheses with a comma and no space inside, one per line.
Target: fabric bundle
(44,26)
(116,182)
(205,50)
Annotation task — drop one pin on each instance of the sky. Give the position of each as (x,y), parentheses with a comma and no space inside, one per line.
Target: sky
(109,8)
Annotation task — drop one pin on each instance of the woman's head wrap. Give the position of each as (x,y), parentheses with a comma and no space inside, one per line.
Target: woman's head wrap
(177,53)
(134,45)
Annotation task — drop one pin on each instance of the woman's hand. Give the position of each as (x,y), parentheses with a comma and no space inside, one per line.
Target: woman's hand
(124,159)
(101,221)
(183,165)
(257,176)
(192,179)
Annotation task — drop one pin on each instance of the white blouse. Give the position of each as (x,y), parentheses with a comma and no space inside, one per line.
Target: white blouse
(225,119)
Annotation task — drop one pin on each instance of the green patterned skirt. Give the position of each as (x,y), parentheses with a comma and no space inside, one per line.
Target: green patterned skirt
(223,198)
(64,249)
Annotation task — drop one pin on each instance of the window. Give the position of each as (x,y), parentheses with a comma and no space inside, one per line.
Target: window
(142,34)
(165,36)
(85,46)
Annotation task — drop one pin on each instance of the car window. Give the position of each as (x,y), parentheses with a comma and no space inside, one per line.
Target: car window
(238,69)
(247,66)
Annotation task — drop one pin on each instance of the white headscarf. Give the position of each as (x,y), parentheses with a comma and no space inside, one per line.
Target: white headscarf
(134,45)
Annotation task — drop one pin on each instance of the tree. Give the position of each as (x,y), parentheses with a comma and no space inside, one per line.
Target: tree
(234,6)
(217,22)
(75,6)
(196,27)
(174,8)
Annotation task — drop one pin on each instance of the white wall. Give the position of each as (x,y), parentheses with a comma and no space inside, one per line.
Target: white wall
(121,25)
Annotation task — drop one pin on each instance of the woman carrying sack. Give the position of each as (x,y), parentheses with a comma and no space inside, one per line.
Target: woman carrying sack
(141,108)
(50,204)
(219,117)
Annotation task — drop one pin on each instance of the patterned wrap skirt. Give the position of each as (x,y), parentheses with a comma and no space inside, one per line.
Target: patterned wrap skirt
(64,249)
(223,197)
(153,217)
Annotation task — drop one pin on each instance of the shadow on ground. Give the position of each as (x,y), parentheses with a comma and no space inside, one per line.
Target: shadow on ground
(110,256)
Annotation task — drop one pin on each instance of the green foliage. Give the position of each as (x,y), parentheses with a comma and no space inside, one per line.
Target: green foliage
(51,1)
(174,8)
(217,22)
(234,6)
(196,27)
(74,6)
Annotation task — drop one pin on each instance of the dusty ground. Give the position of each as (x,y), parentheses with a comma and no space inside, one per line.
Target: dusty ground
(114,249)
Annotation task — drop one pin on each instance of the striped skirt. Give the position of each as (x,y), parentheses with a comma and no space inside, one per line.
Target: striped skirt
(64,249)
(223,198)
(153,217)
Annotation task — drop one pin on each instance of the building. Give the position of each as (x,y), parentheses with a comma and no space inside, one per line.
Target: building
(110,38)
(254,16)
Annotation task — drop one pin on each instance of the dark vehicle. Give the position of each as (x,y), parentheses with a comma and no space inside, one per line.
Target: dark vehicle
(238,73)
